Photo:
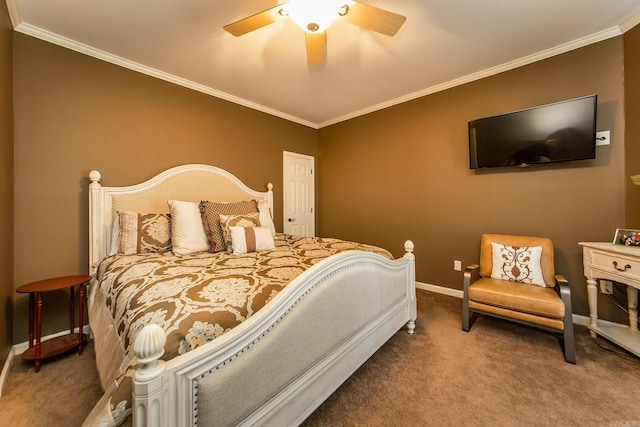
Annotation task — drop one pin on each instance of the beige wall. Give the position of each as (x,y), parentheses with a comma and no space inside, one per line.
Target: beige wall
(74,113)
(403,173)
(632,114)
(6,183)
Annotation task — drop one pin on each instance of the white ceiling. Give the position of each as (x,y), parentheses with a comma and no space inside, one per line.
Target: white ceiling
(443,43)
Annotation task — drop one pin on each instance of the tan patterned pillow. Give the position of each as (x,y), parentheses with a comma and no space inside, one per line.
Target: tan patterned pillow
(228,221)
(211,212)
(143,233)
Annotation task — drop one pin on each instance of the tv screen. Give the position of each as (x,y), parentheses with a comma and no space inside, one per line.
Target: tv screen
(557,132)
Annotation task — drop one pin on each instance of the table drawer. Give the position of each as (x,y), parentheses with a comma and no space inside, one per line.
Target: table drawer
(616,264)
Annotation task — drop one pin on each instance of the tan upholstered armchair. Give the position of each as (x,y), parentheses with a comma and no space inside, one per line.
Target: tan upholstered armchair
(510,283)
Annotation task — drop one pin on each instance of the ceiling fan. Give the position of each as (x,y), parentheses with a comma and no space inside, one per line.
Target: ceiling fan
(314,16)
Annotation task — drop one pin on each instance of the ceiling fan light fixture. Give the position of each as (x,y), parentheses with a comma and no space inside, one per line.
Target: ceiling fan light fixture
(315,15)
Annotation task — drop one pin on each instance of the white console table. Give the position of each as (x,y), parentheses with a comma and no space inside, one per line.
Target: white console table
(620,264)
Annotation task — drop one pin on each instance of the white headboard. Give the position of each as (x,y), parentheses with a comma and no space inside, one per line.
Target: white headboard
(191,183)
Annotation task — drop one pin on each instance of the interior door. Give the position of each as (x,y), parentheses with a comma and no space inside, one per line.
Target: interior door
(299,194)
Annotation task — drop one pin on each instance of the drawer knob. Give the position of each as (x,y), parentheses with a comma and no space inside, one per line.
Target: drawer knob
(626,267)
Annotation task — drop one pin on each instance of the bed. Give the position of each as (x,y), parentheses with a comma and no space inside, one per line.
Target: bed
(297,338)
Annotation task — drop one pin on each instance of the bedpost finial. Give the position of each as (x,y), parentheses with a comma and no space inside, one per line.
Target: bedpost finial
(94,176)
(148,348)
(408,246)
(149,344)
(270,186)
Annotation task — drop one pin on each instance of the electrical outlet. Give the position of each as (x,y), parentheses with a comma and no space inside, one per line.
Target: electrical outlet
(603,138)
(457,265)
(606,287)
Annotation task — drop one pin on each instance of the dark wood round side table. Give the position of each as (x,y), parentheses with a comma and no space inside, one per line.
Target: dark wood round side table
(38,349)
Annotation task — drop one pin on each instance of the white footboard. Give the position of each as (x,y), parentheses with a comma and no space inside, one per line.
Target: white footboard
(281,364)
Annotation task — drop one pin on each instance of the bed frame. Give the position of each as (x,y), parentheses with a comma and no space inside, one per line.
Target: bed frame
(278,366)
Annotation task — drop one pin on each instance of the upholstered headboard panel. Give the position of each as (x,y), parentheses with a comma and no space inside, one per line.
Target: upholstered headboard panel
(190,186)
(188,183)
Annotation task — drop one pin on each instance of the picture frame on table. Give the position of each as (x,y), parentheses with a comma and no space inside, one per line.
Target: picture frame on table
(627,237)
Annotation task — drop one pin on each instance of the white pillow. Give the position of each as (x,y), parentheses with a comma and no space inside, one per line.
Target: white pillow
(265,217)
(187,232)
(251,239)
(517,264)
(227,221)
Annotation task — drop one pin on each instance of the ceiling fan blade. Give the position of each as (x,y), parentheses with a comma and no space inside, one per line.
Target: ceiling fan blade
(253,22)
(374,19)
(316,47)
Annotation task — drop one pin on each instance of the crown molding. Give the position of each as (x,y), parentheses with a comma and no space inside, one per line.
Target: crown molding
(575,44)
(629,23)
(14,13)
(68,43)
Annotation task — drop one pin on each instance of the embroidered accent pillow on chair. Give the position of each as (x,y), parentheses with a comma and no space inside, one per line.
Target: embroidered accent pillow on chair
(517,264)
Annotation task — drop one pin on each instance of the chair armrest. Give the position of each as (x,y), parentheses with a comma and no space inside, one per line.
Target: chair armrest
(471,274)
(564,291)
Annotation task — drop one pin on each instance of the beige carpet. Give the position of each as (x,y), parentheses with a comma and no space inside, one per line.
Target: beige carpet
(499,374)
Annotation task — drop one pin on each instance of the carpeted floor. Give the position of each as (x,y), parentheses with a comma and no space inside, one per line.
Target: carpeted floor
(499,374)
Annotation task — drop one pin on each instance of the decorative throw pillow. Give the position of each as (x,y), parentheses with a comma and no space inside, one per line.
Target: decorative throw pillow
(228,221)
(187,232)
(143,233)
(211,212)
(251,239)
(266,220)
(517,264)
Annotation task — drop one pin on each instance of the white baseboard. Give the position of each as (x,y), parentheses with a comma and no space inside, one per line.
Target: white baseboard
(579,319)
(21,347)
(439,289)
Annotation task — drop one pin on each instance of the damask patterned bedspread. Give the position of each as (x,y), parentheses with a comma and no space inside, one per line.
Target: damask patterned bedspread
(197,298)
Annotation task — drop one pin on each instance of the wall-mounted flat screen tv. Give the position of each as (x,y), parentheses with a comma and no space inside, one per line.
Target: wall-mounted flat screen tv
(558,132)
